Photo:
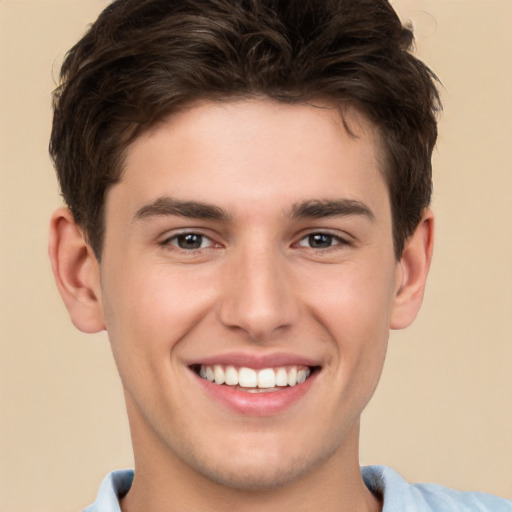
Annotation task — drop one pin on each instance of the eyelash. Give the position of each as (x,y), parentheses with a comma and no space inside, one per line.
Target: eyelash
(176,238)
(338,241)
(333,240)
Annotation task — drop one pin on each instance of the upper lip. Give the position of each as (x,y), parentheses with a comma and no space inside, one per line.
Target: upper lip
(256,361)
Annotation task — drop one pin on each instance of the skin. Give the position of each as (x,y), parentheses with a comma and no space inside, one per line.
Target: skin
(257,286)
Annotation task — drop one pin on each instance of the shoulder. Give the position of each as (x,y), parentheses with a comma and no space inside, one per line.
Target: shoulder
(399,495)
(114,486)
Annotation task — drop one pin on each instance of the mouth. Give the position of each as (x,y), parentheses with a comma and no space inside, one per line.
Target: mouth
(252,380)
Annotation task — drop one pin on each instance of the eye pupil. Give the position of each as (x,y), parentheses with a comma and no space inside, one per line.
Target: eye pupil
(320,240)
(190,241)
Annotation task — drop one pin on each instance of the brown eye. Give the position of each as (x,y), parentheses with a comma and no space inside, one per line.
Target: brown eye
(189,241)
(320,241)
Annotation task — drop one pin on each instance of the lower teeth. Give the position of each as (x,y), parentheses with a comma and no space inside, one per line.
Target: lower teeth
(258,390)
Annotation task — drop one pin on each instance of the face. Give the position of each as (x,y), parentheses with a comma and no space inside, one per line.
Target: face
(247,287)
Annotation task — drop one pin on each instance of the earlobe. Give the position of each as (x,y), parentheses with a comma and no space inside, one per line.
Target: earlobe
(76,272)
(412,272)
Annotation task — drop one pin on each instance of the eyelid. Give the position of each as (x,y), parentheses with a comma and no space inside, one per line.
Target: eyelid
(336,240)
(167,239)
(343,239)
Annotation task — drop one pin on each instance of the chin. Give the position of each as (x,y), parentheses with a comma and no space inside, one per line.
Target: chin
(264,470)
(256,477)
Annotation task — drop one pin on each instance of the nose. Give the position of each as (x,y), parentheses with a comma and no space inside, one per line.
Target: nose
(260,297)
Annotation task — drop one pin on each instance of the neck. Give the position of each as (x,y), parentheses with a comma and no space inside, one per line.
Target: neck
(165,483)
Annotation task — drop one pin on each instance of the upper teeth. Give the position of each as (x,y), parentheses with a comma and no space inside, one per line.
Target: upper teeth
(250,378)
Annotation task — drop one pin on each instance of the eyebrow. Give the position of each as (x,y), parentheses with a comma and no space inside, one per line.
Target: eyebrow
(191,209)
(318,209)
(315,208)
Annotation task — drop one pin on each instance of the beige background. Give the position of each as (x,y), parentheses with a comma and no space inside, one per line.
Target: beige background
(444,408)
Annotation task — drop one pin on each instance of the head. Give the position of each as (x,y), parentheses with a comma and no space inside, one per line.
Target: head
(248,183)
(142,61)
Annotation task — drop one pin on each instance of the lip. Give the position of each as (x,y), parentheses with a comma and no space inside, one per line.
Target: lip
(258,404)
(255,361)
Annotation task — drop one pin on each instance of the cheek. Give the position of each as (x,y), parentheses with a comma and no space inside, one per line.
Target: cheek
(149,312)
(144,319)
(354,307)
(355,297)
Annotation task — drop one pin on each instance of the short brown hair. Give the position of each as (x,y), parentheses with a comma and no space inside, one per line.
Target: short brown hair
(144,59)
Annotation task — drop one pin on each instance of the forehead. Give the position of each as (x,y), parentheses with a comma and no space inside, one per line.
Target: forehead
(255,151)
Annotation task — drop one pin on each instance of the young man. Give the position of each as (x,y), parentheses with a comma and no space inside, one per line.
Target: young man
(247,186)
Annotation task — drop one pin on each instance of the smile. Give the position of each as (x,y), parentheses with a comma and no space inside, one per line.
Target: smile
(255,380)
(258,386)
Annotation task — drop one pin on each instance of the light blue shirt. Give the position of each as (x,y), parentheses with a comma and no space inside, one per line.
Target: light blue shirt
(398,495)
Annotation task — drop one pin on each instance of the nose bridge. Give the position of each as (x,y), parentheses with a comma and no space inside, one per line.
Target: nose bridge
(259,296)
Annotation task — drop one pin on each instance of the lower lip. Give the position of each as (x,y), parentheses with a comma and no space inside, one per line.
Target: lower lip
(259,403)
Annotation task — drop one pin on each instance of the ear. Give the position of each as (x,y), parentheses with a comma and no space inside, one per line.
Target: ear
(76,271)
(412,272)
